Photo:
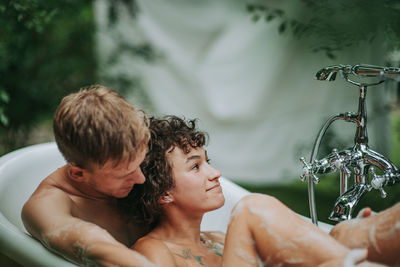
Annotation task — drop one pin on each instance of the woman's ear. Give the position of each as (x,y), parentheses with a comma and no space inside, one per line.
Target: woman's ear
(75,173)
(166,199)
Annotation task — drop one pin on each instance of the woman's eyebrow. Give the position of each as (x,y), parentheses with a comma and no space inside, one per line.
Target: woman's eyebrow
(194,157)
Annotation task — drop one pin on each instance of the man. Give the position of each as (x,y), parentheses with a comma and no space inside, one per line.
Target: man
(73,212)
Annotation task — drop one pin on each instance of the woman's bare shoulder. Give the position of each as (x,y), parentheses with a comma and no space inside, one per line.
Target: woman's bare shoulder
(147,242)
(155,250)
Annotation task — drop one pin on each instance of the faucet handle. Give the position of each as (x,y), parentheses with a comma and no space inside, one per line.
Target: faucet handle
(339,162)
(308,171)
(378,181)
(383,193)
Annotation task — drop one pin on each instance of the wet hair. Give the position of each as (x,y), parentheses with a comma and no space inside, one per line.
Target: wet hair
(96,125)
(142,203)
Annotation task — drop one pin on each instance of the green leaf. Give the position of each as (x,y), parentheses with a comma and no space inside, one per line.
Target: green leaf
(330,55)
(255,17)
(250,8)
(4,97)
(279,12)
(282,27)
(269,17)
(4,119)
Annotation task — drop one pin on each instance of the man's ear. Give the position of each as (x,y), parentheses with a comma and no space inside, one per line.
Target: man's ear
(167,198)
(75,173)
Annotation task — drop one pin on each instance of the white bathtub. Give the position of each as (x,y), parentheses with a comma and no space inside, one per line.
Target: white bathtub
(21,172)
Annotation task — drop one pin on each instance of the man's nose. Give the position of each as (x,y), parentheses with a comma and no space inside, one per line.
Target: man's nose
(138,177)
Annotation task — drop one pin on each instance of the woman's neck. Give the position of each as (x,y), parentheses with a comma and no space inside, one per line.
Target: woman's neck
(179,228)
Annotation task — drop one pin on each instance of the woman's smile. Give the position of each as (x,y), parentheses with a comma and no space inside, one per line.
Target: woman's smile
(215,187)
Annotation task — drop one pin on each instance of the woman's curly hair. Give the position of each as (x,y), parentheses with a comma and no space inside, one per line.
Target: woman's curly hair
(142,204)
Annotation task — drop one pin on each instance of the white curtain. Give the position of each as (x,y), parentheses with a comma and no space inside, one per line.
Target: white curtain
(251,88)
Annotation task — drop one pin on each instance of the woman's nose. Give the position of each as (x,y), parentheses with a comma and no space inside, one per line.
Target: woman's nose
(214,173)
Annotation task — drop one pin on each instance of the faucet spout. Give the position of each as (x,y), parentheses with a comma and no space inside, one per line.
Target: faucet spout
(344,205)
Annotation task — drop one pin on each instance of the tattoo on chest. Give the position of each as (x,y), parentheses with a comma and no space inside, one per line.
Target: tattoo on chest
(216,247)
(187,254)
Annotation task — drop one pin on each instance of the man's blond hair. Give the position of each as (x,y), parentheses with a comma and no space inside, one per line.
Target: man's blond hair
(96,125)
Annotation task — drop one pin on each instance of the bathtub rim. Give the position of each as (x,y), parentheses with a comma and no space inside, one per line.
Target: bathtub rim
(22,242)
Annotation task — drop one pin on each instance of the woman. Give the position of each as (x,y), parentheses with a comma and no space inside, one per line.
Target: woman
(181,186)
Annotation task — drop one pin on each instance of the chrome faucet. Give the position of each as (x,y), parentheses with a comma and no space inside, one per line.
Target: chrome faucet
(359,159)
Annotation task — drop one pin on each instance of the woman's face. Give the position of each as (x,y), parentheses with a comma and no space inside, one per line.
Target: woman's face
(197,188)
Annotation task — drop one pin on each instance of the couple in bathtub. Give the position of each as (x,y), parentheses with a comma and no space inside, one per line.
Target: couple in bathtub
(86,210)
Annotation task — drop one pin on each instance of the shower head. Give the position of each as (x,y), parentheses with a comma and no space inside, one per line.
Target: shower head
(329,73)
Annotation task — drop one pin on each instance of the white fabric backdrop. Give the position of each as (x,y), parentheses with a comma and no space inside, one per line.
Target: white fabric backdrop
(252,88)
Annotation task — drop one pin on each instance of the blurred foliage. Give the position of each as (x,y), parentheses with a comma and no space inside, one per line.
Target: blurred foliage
(46,51)
(113,5)
(334,25)
(121,80)
(122,49)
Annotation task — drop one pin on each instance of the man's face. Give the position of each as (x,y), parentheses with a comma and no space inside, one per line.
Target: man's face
(117,181)
(197,188)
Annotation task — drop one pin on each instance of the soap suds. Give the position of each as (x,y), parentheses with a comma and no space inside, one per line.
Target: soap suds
(354,257)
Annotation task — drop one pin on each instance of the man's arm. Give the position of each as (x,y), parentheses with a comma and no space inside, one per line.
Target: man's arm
(48,218)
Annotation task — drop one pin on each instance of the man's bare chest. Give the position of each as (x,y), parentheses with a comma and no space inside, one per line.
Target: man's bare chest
(107,217)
